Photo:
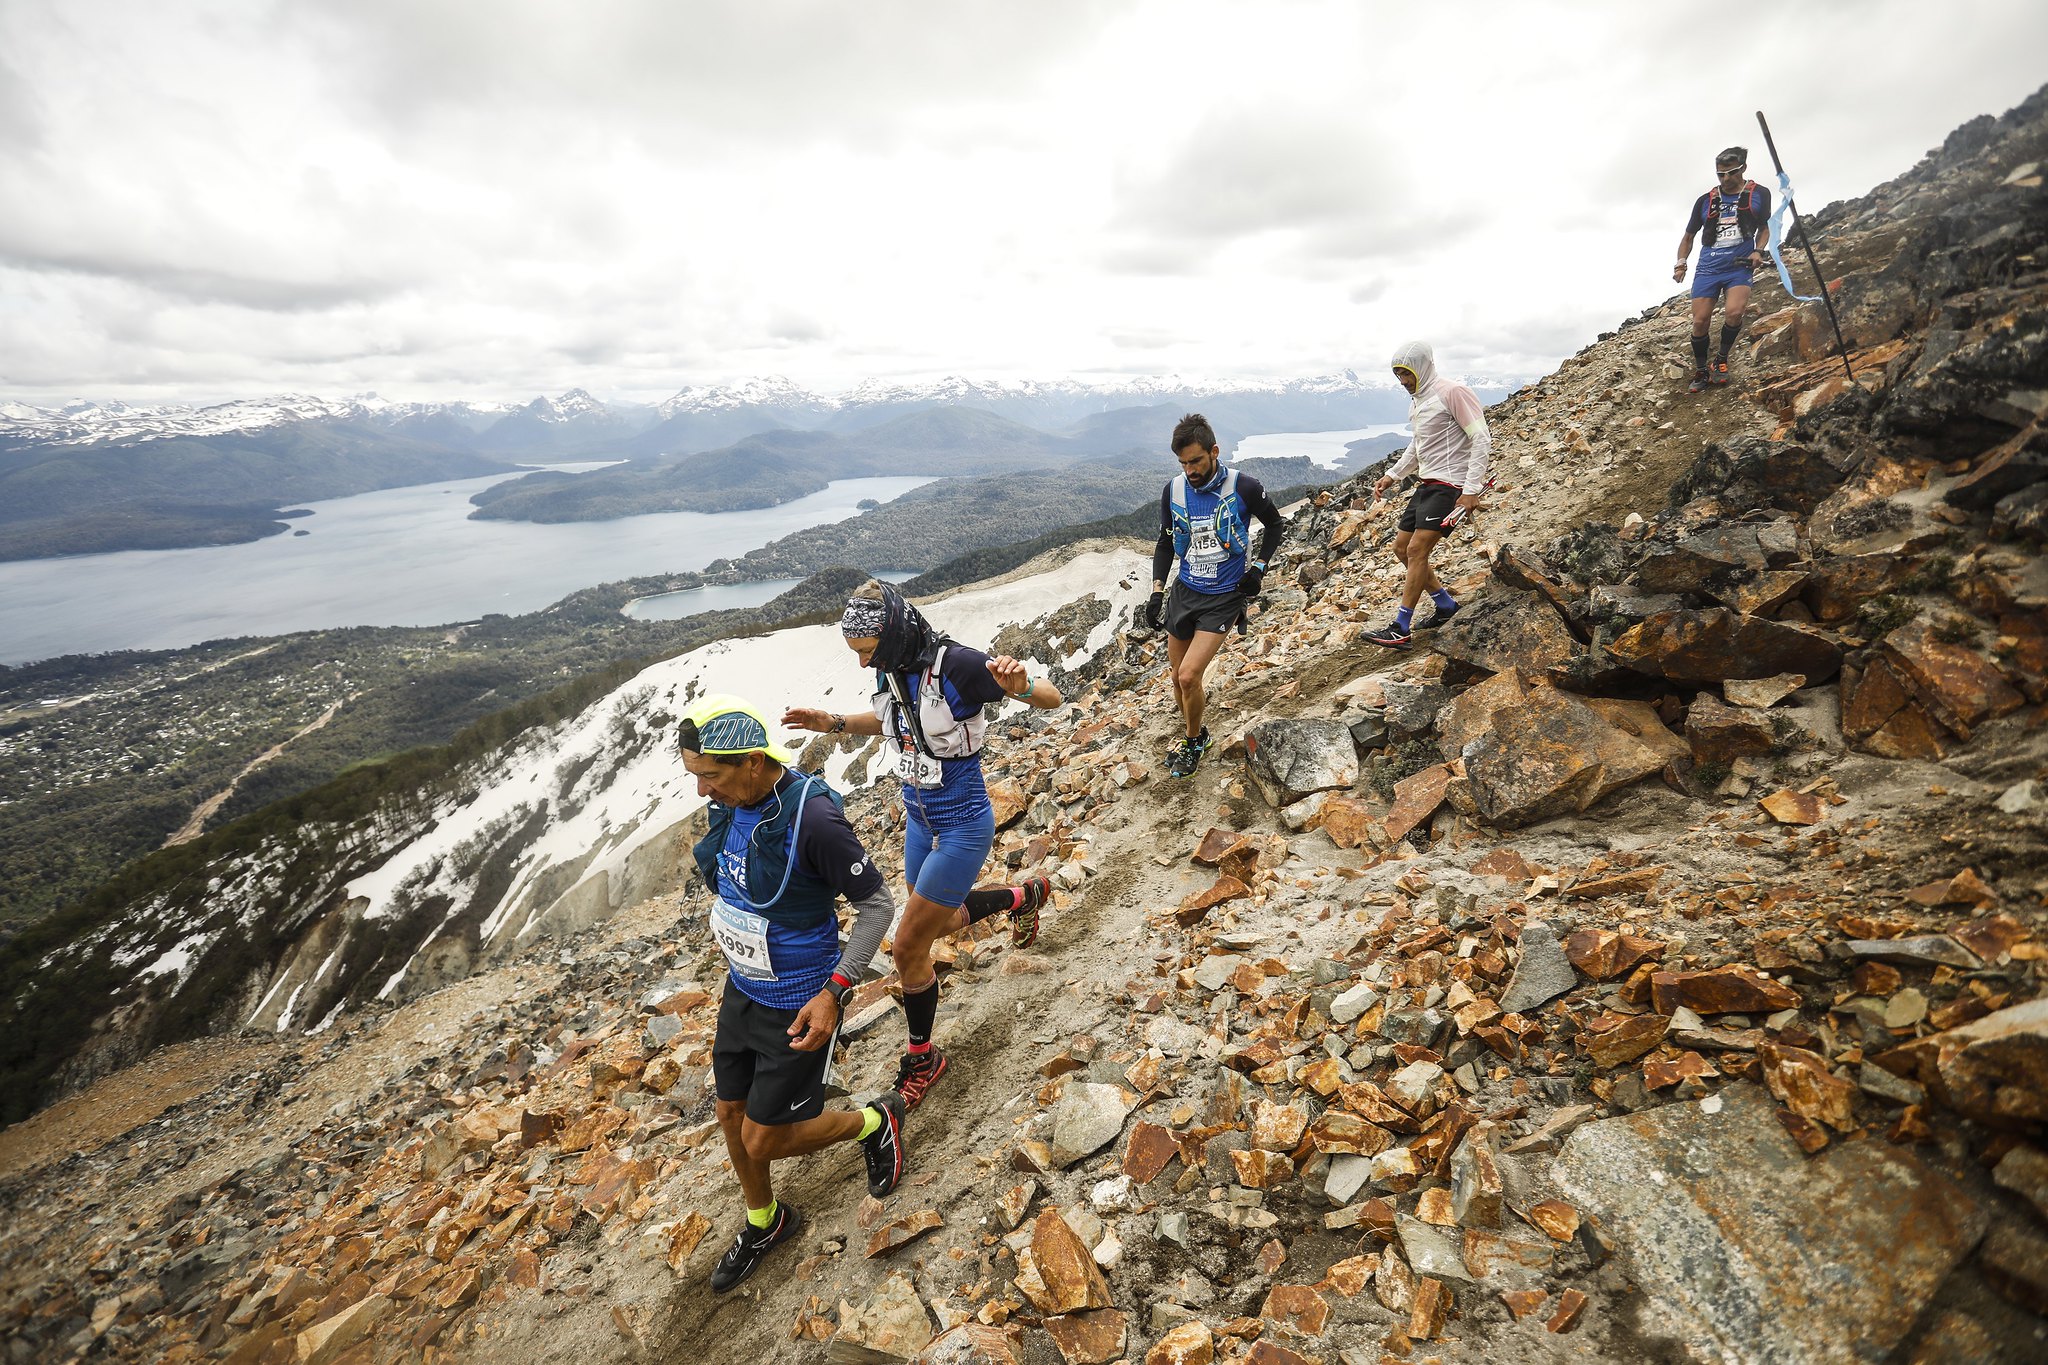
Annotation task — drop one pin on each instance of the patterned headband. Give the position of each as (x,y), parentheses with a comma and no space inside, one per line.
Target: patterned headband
(864,618)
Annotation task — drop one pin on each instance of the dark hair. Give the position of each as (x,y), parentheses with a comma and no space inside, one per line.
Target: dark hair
(690,740)
(1190,429)
(1738,155)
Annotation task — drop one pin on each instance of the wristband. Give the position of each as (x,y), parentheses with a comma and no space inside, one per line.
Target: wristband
(1028,685)
(838,724)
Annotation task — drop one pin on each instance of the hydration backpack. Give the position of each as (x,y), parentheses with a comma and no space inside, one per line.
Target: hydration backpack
(1231,532)
(1746,221)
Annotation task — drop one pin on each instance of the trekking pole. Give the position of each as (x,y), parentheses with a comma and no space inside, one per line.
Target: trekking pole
(1806,241)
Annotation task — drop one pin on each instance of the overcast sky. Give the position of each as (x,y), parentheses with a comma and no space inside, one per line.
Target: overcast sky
(489,200)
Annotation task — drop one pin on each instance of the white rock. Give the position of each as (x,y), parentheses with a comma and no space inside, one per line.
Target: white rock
(1352,1003)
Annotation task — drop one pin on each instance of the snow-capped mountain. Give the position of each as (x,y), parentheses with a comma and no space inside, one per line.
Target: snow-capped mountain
(84,422)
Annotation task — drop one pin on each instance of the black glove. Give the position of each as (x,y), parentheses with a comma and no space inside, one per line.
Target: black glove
(1155,610)
(1254,579)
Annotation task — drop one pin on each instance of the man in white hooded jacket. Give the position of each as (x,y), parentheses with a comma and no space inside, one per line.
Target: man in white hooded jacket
(1449,452)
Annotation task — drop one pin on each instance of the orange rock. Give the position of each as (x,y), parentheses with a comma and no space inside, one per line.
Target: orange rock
(1149,1151)
(1790,807)
(1733,989)
(1658,1075)
(1262,1170)
(1603,954)
(1505,862)
(1056,1272)
(1434,1206)
(1429,1310)
(1298,1307)
(1349,822)
(1570,1305)
(1196,907)
(1213,845)
(1277,1127)
(891,1236)
(1523,1302)
(1631,882)
(1627,1040)
(1272,1353)
(1091,1338)
(1188,1344)
(1557,1218)
(1965,888)
(1350,1276)
(1416,798)
(1802,1082)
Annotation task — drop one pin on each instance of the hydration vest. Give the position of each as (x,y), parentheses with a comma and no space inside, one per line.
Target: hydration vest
(930,724)
(1231,531)
(1746,221)
(797,899)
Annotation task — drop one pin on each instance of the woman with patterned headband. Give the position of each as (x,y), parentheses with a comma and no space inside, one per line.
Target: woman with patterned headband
(928,700)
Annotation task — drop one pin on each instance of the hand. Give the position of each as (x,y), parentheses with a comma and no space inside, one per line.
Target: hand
(1381,485)
(1678,271)
(1756,258)
(808,718)
(1010,674)
(813,1025)
(1254,579)
(1155,610)
(1468,501)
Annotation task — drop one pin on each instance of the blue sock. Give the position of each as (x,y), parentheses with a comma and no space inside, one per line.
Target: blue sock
(1402,616)
(1444,601)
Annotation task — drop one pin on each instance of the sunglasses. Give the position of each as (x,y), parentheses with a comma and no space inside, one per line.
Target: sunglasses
(1730,170)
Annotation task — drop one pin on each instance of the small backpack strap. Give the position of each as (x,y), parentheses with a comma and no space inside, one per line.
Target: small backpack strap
(1180,494)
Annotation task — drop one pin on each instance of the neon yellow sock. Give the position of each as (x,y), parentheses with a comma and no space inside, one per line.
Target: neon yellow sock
(761,1218)
(870,1119)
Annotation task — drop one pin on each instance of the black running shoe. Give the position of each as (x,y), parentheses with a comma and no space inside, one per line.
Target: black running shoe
(1190,756)
(1439,616)
(915,1075)
(1389,636)
(748,1249)
(1699,381)
(887,1161)
(1024,919)
(1719,374)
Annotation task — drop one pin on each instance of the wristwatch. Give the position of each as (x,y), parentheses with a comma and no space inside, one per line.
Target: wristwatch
(838,724)
(841,988)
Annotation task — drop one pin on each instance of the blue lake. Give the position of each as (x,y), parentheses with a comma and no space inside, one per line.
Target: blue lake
(399,557)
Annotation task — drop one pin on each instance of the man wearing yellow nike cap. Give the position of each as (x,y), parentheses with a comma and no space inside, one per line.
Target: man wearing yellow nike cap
(778,857)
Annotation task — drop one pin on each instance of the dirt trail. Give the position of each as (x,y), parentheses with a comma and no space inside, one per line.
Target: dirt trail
(195,824)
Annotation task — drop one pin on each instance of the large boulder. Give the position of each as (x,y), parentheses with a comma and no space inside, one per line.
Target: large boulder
(1958,686)
(1994,1070)
(1291,758)
(1471,712)
(1749,1252)
(1754,472)
(1506,630)
(1550,754)
(1715,644)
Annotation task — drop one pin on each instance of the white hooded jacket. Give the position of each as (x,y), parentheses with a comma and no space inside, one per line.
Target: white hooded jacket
(1452,444)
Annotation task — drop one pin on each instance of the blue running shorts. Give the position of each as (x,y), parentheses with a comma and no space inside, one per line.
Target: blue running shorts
(942,865)
(1709,282)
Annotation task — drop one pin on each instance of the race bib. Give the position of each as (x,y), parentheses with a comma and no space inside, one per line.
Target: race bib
(916,769)
(1205,551)
(743,938)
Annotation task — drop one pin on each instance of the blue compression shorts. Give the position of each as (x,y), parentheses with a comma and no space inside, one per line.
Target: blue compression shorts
(1707,283)
(942,866)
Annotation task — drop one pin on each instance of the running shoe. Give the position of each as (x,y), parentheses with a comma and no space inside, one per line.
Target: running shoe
(1190,756)
(915,1075)
(1720,372)
(1024,919)
(1389,636)
(1699,381)
(887,1161)
(748,1249)
(1438,616)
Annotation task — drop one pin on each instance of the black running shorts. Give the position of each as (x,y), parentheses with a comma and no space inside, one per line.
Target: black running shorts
(751,1060)
(1188,611)
(1433,508)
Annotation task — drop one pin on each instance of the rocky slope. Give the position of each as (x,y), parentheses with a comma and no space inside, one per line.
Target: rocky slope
(1649,969)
